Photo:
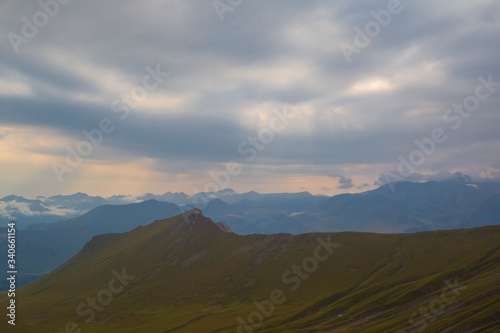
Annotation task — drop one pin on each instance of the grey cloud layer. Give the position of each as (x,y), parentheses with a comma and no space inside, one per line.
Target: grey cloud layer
(254,60)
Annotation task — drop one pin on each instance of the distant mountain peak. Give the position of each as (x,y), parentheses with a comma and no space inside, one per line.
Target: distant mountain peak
(226,191)
(78,195)
(461,178)
(13,198)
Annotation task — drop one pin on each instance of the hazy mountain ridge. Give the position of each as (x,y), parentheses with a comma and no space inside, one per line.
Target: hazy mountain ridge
(396,207)
(43,247)
(199,278)
(410,207)
(28,212)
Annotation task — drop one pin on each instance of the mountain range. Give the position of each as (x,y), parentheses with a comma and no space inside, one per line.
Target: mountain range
(45,210)
(191,274)
(28,212)
(393,208)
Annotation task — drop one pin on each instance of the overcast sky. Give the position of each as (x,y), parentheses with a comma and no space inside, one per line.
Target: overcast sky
(332,109)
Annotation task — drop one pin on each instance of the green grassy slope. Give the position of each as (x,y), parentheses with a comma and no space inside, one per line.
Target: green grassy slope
(191,276)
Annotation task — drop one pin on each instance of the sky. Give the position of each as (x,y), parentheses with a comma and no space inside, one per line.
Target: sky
(129,97)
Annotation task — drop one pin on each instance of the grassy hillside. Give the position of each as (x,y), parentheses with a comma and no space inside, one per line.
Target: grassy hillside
(186,274)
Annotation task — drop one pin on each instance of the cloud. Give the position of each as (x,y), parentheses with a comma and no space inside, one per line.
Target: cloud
(55,210)
(226,78)
(10,209)
(345,183)
(122,199)
(4,133)
(393,176)
(442,175)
